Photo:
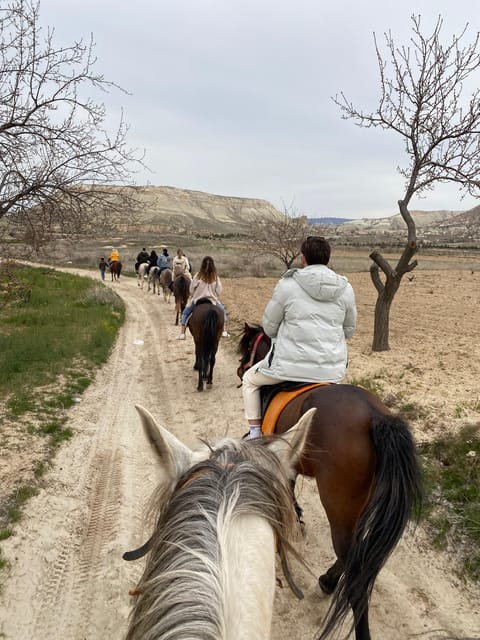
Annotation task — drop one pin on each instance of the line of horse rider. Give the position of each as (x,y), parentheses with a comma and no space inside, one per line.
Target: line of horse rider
(163,261)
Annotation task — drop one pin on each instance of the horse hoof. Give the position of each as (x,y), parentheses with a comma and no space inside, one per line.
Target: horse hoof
(209,385)
(325,585)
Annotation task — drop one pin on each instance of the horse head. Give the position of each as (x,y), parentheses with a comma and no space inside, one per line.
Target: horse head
(179,462)
(253,347)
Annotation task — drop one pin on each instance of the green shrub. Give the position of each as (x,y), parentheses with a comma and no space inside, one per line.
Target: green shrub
(452,477)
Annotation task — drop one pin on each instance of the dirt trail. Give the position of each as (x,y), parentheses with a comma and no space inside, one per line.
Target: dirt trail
(68,580)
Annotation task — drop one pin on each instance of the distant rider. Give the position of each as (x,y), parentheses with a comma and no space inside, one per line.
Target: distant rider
(114,256)
(142,257)
(163,261)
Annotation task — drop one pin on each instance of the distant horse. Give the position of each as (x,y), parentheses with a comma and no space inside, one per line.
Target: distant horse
(206,326)
(116,269)
(142,270)
(154,280)
(166,278)
(222,511)
(181,291)
(364,462)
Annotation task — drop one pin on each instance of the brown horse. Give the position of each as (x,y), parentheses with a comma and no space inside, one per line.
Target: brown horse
(181,291)
(365,465)
(116,270)
(206,326)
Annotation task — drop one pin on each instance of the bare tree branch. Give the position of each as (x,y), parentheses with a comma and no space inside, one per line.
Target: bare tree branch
(279,237)
(57,158)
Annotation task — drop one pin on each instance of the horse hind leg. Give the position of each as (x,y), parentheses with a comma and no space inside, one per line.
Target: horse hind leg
(211,364)
(201,375)
(351,593)
(297,507)
(329,580)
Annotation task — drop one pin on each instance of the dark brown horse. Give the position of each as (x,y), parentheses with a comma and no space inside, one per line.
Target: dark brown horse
(206,326)
(181,291)
(116,270)
(365,465)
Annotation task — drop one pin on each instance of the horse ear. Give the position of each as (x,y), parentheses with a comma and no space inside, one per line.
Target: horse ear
(289,447)
(174,456)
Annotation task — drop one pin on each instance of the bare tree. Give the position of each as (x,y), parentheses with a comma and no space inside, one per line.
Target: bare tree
(60,168)
(422,100)
(279,237)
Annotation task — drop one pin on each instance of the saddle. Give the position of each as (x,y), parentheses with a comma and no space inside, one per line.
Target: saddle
(198,302)
(274,398)
(204,301)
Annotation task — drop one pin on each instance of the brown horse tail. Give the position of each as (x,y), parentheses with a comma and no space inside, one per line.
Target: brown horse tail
(396,498)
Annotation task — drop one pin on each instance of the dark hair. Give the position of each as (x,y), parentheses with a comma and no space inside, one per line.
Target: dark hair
(316,250)
(208,272)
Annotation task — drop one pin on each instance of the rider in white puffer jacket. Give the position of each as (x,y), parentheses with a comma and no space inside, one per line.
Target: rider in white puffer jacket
(311,314)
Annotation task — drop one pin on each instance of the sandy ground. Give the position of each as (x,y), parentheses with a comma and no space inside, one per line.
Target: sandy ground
(68,580)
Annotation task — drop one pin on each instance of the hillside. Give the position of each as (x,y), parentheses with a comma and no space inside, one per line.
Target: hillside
(433,228)
(184,210)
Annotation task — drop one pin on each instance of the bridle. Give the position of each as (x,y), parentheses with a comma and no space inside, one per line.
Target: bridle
(251,361)
(245,366)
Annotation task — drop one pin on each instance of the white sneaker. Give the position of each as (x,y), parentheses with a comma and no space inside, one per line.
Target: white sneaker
(181,336)
(255,432)
(225,334)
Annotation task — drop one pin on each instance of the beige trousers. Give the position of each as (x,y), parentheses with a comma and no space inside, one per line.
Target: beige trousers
(251,383)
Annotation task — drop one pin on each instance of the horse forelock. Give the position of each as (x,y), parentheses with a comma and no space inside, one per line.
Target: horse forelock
(199,513)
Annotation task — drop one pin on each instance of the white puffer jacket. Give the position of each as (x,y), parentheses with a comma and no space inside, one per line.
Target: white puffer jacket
(311,313)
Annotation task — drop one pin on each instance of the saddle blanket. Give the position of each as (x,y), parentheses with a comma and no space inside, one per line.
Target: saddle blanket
(280,401)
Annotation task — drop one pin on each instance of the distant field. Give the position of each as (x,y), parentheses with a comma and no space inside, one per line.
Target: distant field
(234,257)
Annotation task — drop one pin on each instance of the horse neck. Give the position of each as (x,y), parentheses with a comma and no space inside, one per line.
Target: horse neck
(258,347)
(248,549)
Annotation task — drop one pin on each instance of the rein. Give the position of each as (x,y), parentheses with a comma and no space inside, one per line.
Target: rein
(247,365)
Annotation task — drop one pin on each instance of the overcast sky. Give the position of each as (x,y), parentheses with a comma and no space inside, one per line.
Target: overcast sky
(233,97)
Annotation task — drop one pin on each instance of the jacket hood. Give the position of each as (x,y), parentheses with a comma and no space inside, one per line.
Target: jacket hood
(320,282)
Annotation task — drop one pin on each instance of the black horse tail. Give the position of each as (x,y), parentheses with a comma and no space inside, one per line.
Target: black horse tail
(209,341)
(396,498)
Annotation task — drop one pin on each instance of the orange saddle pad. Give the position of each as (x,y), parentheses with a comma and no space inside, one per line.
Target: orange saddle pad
(280,401)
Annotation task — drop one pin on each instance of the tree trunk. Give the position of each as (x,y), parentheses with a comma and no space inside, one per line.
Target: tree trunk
(381,325)
(393,277)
